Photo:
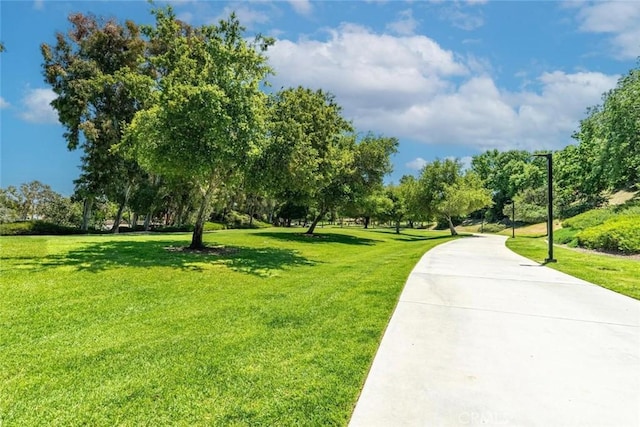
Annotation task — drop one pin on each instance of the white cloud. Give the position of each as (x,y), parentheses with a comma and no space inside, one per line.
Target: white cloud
(185,17)
(405,25)
(460,19)
(246,15)
(38,4)
(3,103)
(416,164)
(479,114)
(366,69)
(620,19)
(464,161)
(411,88)
(37,108)
(302,7)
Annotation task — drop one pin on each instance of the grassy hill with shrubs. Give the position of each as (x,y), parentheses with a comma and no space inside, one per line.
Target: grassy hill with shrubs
(608,229)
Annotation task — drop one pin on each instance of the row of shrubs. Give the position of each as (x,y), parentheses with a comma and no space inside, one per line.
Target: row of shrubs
(33,228)
(25,228)
(613,229)
(620,234)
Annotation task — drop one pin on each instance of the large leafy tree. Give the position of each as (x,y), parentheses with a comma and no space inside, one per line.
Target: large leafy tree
(530,205)
(314,156)
(373,206)
(607,156)
(310,152)
(396,209)
(579,174)
(610,135)
(431,184)
(207,113)
(93,103)
(507,173)
(416,202)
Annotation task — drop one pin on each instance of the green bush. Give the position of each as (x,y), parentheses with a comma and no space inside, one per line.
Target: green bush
(173,228)
(619,234)
(239,220)
(213,226)
(566,236)
(492,228)
(589,219)
(630,208)
(261,224)
(32,228)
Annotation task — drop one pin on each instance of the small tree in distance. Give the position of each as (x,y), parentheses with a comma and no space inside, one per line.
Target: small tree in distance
(443,191)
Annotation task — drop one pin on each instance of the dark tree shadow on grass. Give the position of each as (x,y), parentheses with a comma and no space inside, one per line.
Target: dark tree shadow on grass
(423,239)
(98,257)
(319,238)
(264,261)
(411,238)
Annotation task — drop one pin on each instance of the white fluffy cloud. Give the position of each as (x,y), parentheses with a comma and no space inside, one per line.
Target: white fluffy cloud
(462,19)
(247,15)
(3,103)
(405,25)
(416,164)
(410,87)
(303,7)
(37,108)
(620,19)
(364,69)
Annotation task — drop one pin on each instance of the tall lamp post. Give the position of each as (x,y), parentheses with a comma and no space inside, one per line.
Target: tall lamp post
(513,217)
(549,158)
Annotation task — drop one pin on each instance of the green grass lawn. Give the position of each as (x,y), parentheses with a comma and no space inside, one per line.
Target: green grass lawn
(118,330)
(615,273)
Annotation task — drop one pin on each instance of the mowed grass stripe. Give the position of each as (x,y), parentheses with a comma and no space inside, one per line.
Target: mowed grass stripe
(118,330)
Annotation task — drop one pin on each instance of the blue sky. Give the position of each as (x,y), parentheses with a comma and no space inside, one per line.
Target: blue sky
(447,78)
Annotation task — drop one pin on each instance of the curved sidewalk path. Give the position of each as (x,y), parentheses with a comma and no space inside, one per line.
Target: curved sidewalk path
(482,336)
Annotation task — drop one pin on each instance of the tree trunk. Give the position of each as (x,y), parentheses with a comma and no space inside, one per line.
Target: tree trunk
(147,221)
(451,227)
(366,221)
(196,238)
(251,212)
(177,219)
(134,222)
(116,224)
(198,230)
(86,213)
(398,227)
(315,222)
(115,229)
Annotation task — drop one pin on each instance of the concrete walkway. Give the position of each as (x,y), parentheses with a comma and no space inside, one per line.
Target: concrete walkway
(482,336)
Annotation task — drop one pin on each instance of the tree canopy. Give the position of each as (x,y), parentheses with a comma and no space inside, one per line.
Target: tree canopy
(177,124)
(93,103)
(206,114)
